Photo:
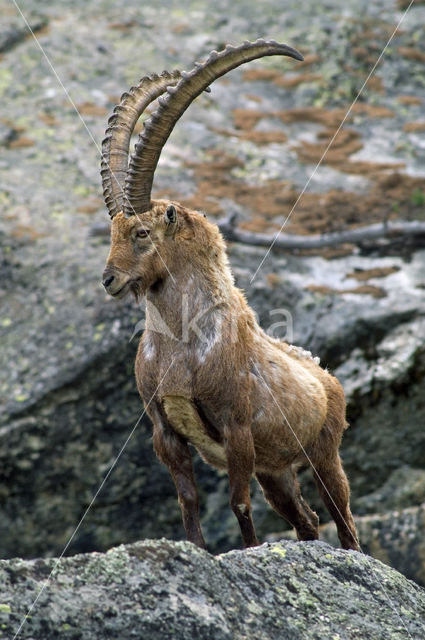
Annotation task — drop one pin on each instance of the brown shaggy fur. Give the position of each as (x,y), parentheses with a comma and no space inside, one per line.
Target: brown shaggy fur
(211,377)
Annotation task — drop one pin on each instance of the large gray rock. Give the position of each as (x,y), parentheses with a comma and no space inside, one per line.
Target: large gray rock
(158,589)
(404,487)
(395,537)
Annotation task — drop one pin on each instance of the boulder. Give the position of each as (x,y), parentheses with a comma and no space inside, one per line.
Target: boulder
(159,589)
(395,538)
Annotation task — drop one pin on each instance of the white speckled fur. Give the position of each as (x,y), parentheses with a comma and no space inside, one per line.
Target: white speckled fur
(148,346)
(302,353)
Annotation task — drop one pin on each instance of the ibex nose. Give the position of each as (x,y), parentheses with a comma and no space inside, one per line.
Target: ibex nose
(107,281)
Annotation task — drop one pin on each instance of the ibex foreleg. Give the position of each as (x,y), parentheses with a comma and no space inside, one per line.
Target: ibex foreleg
(173,451)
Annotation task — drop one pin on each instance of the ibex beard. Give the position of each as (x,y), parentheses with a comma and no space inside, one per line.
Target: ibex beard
(250,404)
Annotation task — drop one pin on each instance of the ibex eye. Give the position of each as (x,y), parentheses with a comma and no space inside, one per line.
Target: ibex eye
(142,233)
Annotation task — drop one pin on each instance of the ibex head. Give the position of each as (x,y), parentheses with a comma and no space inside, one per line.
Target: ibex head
(139,250)
(142,228)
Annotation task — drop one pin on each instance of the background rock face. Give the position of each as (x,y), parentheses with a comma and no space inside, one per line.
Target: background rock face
(67,391)
(161,589)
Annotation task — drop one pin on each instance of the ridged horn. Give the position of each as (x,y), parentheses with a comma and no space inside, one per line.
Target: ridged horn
(115,145)
(138,183)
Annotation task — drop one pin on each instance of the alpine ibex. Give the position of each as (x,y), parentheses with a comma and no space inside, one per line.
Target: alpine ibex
(250,404)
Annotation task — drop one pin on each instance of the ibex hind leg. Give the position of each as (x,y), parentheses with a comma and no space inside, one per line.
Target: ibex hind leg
(239,448)
(334,490)
(284,495)
(328,473)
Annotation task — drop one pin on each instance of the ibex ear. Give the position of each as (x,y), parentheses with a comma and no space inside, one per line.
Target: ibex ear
(170,218)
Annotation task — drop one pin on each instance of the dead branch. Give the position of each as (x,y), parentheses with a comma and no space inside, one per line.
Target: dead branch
(379,231)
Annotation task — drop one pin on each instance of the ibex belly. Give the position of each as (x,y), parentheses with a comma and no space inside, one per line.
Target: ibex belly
(288,413)
(185,419)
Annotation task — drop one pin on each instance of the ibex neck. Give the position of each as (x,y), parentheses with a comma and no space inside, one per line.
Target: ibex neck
(185,297)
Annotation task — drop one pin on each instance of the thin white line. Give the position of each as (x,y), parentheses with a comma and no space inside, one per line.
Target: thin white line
(330,143)
(327,491)
(83,121)
(111,468)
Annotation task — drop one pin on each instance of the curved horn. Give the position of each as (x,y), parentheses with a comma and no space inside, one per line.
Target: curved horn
(115,145)
(138,183)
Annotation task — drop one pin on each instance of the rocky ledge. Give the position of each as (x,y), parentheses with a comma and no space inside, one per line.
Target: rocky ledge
(162,589)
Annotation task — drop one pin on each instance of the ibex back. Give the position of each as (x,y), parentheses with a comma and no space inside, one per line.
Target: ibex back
(208,374)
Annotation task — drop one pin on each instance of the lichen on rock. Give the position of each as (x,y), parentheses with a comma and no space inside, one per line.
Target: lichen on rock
(160,589)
